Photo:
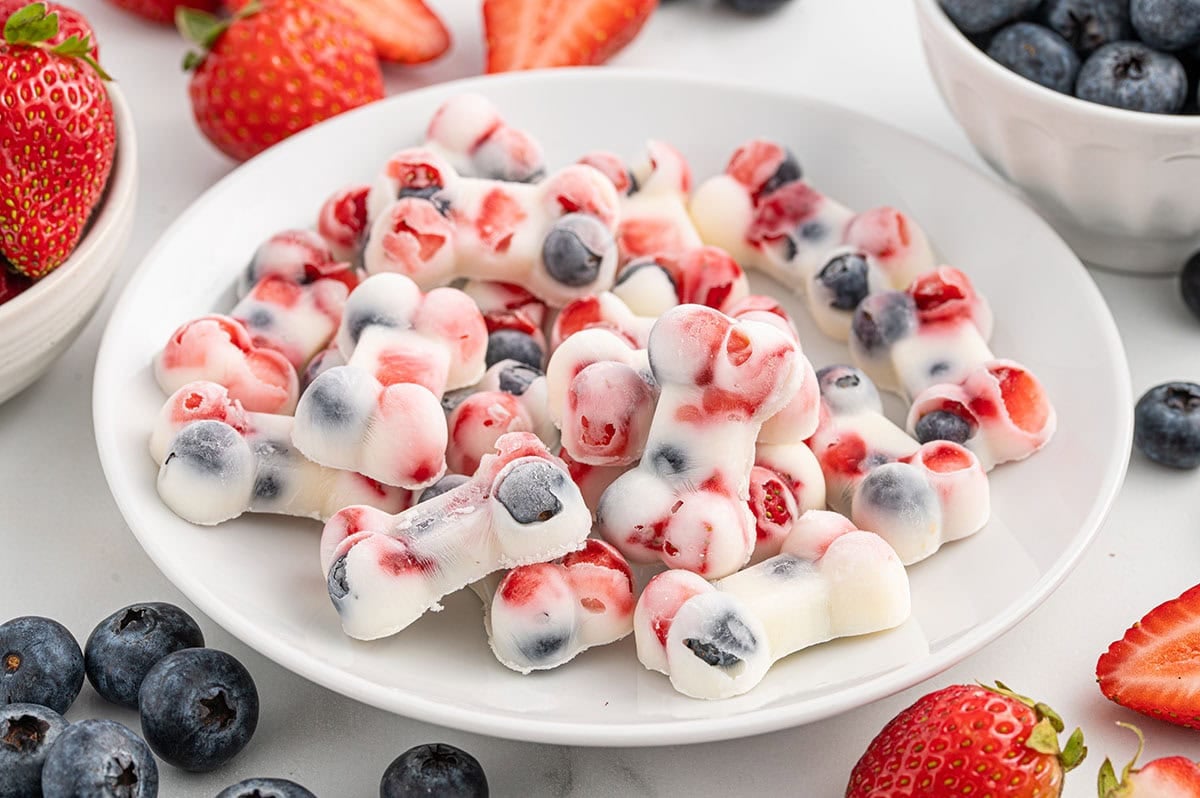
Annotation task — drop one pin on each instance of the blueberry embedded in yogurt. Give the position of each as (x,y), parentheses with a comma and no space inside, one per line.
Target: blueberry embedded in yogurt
(1167,424)
(883,319)
(844,280)
(1037,53)
(27,731)
(529,491)
(575,249)
(40,663)
(942,425)
(447,483)
(848,390)
(514,345)
(1133,76)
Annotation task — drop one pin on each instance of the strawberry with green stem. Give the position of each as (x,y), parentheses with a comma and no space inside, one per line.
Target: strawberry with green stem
(59,140)
(1167,777)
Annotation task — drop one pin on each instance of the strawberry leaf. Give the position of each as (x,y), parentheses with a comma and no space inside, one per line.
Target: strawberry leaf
(199,27)
(1043,738)
(1074,752)
(75,47)
(1044,711)
(30,25)
(1106,780)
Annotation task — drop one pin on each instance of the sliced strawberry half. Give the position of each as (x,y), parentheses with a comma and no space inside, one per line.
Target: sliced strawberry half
(530,34)
(1154,669)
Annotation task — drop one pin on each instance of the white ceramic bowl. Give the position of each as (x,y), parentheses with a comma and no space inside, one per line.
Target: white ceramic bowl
(38,325)
(1119,186)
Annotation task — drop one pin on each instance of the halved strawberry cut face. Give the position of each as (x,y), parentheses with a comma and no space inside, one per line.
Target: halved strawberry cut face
(1024,398)
(531,34)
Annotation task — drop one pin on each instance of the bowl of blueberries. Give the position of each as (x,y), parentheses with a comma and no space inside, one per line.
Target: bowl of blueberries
(1090,107)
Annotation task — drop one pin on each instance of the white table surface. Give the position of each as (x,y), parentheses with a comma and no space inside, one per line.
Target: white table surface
(65,551)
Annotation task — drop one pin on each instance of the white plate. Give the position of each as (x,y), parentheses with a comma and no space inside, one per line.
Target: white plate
(259,577)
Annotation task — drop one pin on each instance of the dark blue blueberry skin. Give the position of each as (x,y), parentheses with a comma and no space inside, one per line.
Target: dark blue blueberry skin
(756,6)
(845,276)
(978,16)
(788,171)
(883,319)
(26,733)
(941,425)
(1167,424)
(40,663)
(726,642)
(443,485)
(125,645)
(206,446)
(1088,24)
(265,788)
(575,248)
(1166,24)
(515,378)
(513,345)
(434,770)
(1130,75)
(199,708)
(1036,53)
(99,759)
(847,389)
(1189,284)
(547,644)
(900,491)
(528,492)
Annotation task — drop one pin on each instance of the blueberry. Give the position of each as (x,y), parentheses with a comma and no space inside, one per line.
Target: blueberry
(1088,24)
(513,345)
(900,492)
(883,319)
(452,399)
(26,733)
(265,788)
(845,278)
(1189,284)
(361,320)
(575,249)
(788,171)
(1036,53)
(726,642)
(515,378)
(99,759)
(443,485)
(206,446)
(337,582)
(942,425)
(125,645)
(847,389)
(543,647)
(199,708)
(669,460)
(40,663)
(436,770)
(1166,24)
(528,492)
(329,402)
(977,16)
(1167,424)
(1130,75)
(755,6)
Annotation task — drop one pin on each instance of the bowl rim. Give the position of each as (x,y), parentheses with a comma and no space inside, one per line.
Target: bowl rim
(116,196)
(933,12)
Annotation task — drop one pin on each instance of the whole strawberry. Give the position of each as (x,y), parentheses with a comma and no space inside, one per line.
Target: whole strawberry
(70,23)
(968,740)
(163,11)
(275,69)
(59,140)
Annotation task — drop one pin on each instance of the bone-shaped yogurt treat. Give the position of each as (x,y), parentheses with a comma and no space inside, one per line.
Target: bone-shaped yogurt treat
(719,640)
(543,615)
(385,571)
(555,237)
(763,213)
(654,200)
(686,502)
(511,397)
(220,349)
(915,496)
(217,461)
(601,396)
(379,414)
(469,132)
(999,411)
(935,332)
(295,319)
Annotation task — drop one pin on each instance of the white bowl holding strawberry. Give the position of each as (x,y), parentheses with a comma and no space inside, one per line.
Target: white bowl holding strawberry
(71,209)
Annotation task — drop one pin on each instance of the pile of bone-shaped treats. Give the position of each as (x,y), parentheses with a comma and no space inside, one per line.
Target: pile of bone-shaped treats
(603,309)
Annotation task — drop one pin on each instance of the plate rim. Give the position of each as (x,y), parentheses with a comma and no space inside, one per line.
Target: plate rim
(617,734)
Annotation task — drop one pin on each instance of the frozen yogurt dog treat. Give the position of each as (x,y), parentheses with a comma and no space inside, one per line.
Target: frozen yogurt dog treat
(764,214)
(220,349)
(385,571)
(601,395)
(543,615)
(342,221)
(554,238)
(915,496)
(296,319)
(511,397)
(686,502)
(935,332)
(654,200)
(470,134)
(719,640)
(999,411)
(218,461)
(379,414)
